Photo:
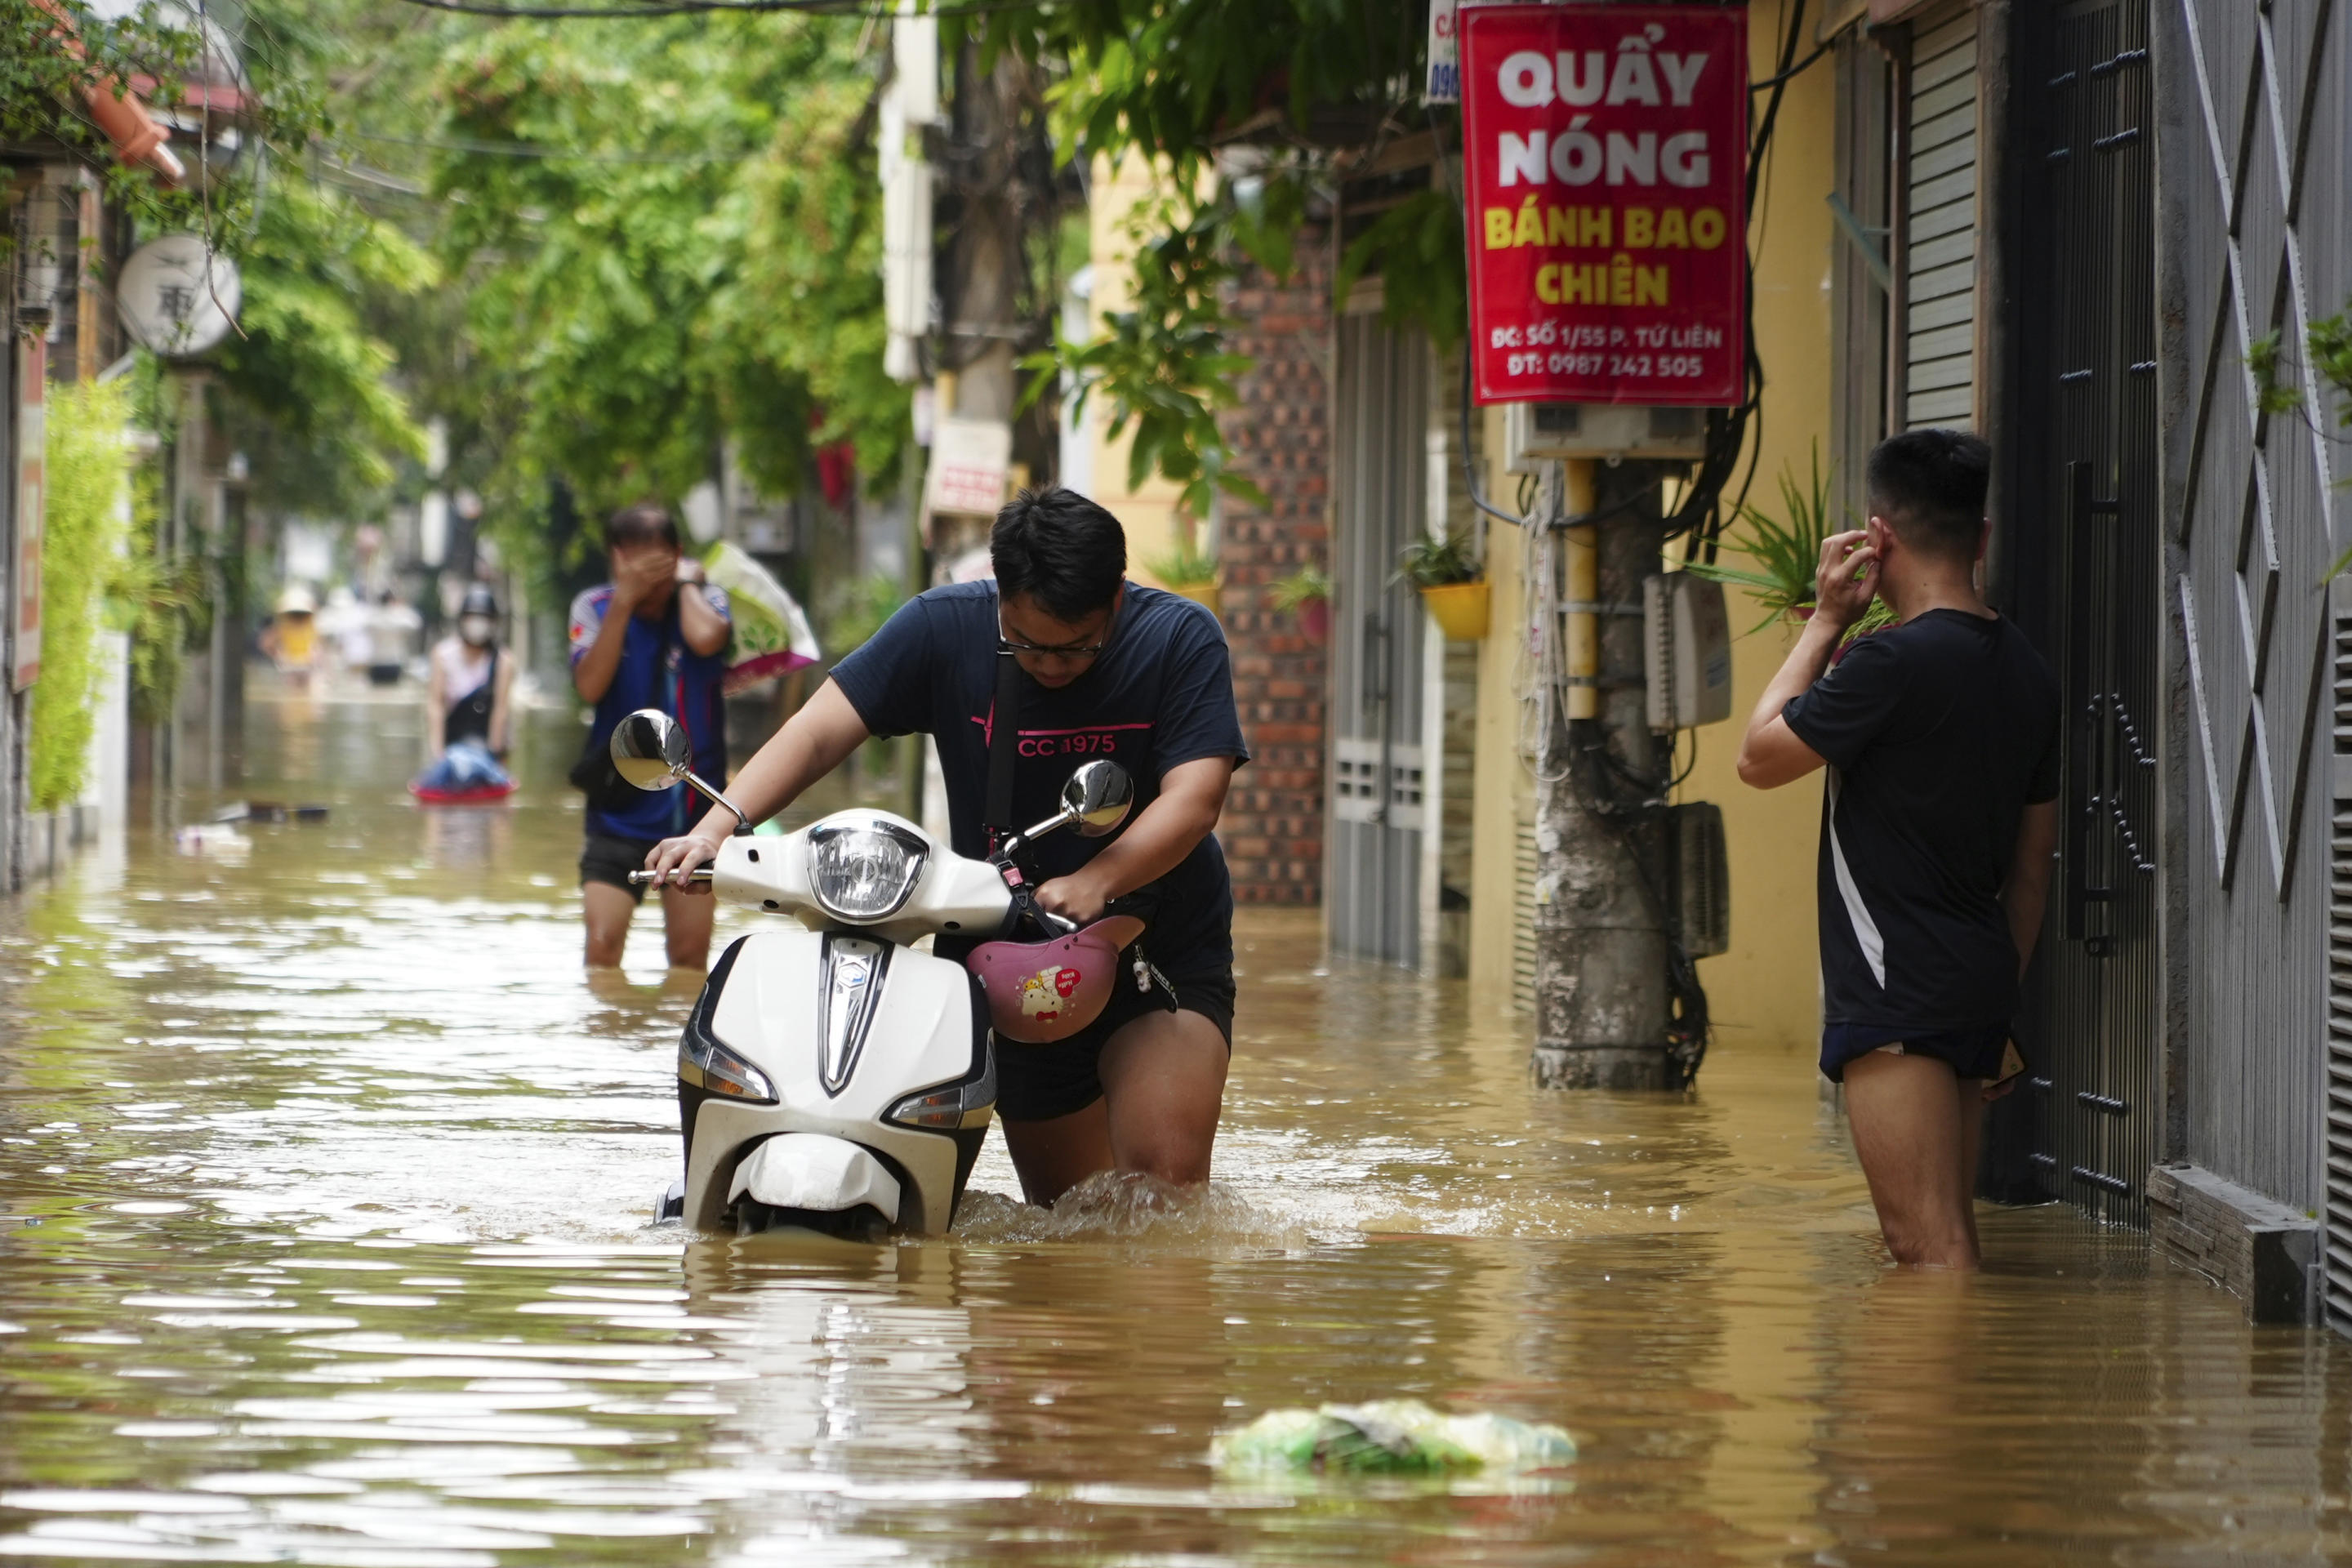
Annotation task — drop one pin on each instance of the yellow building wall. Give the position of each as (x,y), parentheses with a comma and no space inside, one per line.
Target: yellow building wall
(1151,513)
(1766,990)
(1502,787)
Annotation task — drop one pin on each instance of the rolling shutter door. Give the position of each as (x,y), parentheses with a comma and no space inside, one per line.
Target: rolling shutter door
(1940,270)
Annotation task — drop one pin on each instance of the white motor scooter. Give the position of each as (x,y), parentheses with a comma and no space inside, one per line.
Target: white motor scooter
(832,1076)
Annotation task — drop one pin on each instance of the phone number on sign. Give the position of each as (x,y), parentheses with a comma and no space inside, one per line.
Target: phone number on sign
(1570,363)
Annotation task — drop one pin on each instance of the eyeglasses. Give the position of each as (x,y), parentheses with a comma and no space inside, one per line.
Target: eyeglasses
(1061,650)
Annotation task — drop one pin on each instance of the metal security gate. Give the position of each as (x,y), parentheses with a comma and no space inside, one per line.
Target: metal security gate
(2257,174)
(1378,417)
(2088,589)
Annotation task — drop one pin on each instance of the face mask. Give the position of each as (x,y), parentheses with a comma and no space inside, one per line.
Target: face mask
(476,629)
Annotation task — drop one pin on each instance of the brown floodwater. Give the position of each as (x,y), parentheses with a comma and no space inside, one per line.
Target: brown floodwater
(324,1189)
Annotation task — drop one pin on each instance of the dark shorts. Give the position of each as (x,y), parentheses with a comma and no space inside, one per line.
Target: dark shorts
(609,859)
(1037,1083)
(1970,1053)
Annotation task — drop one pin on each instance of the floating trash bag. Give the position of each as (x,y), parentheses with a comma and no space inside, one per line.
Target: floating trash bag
(467,772)
(1388,1437)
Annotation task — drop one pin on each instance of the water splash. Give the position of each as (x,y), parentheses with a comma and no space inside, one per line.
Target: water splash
(1126,1206)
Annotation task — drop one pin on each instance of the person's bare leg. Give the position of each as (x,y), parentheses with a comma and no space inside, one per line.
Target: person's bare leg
(1972,1109)
(1055,1154)
(687,920)
(1163,1079)
(1908,1133)
(605,910)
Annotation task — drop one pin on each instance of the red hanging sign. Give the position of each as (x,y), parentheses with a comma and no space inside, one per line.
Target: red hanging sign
(1605,149)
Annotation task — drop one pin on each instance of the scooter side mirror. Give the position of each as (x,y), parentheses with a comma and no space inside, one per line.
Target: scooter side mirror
(649,750)
(1098,797)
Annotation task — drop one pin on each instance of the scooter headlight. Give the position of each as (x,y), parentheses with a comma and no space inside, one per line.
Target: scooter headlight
(863,871)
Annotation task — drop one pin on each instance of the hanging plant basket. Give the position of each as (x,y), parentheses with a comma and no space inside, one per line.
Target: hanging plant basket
(1460,609)
(1198,592)
(1307,593)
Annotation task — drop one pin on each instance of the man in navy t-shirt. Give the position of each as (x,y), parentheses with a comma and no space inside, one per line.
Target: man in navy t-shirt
(1109,668)
(1940,734)
(655,636)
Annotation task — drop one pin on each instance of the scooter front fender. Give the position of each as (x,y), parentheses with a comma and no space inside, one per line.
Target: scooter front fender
(811,1171)
(763,1003)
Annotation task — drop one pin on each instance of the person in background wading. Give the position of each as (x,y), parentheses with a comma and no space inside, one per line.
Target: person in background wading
(1099,668)
(468,686)
(655,636)
(1939,820)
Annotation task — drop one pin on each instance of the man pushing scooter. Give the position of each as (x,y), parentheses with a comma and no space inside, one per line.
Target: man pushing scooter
(1099,666)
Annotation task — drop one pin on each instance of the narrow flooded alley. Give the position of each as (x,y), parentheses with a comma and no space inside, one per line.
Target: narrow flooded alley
(327,1187)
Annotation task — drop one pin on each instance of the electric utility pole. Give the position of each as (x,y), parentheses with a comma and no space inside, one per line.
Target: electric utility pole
(1601,950)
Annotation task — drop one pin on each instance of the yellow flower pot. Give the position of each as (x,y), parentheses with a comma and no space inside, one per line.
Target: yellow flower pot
(1198,592)
(1460,609)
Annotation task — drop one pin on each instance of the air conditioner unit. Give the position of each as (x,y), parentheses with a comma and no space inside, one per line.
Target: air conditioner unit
(1685,651)
(1537,433)
(1698,880)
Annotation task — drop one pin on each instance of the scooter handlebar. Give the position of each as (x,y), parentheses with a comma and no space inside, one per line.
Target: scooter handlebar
(698,878)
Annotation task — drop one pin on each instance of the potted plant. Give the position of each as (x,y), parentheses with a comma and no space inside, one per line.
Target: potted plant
(1307,593)
(1188,571)
(1784,555)
(1451,586)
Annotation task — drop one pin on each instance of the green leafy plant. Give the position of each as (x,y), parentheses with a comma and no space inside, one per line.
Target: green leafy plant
(1784,553)
(1417,245)
(1306,586)
(2270,394)
(1433,561)
(82,545)
(2329,344)
(1184,566)
(1164,364)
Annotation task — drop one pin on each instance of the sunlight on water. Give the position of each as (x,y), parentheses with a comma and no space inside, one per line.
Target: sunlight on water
(325,1197)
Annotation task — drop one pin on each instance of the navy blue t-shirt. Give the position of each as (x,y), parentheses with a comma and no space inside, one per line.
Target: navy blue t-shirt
(1938,733)
(1160,694)
(657,670)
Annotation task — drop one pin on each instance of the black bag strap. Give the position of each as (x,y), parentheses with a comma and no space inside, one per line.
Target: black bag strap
(1004,743)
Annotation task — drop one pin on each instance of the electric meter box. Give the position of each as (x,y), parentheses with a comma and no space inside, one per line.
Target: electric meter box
(1687,649)
(1538,433)
(1698,875)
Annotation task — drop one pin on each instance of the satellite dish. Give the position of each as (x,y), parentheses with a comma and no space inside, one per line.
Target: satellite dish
(177,296)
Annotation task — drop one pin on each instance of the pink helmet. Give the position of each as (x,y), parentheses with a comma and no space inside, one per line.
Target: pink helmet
(1041,991)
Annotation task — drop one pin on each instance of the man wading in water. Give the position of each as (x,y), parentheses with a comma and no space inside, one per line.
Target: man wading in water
(1941,738)
(1107,668)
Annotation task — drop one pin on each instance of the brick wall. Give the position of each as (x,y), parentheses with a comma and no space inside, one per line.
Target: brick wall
(1280,438)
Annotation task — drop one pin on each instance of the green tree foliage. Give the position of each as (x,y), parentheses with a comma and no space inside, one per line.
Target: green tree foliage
(311,396)
(1163,363)
(1286,83)
(87,469)
(46,61)
(670,235)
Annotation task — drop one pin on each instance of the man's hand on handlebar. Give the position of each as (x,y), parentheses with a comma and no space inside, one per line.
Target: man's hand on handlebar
(672,859)
(1078,898)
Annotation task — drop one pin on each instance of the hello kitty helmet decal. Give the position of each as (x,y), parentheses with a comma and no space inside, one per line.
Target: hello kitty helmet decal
(1041,991)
